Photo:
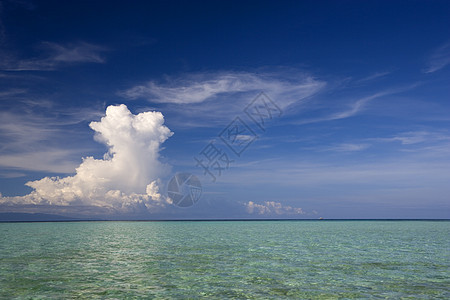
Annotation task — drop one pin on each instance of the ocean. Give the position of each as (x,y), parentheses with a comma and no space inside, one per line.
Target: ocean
(225,259)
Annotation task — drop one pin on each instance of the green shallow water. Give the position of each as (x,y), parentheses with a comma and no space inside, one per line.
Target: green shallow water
(248,260)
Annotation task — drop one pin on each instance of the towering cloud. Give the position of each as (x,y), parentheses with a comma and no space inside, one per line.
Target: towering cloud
(126,178)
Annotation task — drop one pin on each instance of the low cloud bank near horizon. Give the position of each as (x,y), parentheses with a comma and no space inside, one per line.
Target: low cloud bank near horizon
(126,182)
(127,179)
(272,208)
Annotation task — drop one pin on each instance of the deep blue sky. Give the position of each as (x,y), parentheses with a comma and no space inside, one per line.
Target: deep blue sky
(363,87)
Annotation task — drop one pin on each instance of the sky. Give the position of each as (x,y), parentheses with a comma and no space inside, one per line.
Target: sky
(280,109)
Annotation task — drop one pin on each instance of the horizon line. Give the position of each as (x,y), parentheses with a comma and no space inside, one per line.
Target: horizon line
(216,220)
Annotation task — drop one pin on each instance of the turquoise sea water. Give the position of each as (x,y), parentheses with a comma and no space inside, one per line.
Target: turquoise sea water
(242,259)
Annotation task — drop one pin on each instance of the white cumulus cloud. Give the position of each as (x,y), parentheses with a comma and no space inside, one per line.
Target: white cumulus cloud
(128,175)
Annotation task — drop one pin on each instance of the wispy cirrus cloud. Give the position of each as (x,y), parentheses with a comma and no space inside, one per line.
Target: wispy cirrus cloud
(39,136)
(352,109)
(355,107)
(195,88)
(203,99)
(56,56)
(203,87)
(439,59)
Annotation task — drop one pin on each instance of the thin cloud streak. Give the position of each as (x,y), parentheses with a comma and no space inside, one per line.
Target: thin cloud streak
(58,55)
(355,107)
(348,147)
(415,137)
(407,173)
(47,160)
(373,76)
(11,175)
(12,92)
(439,59)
